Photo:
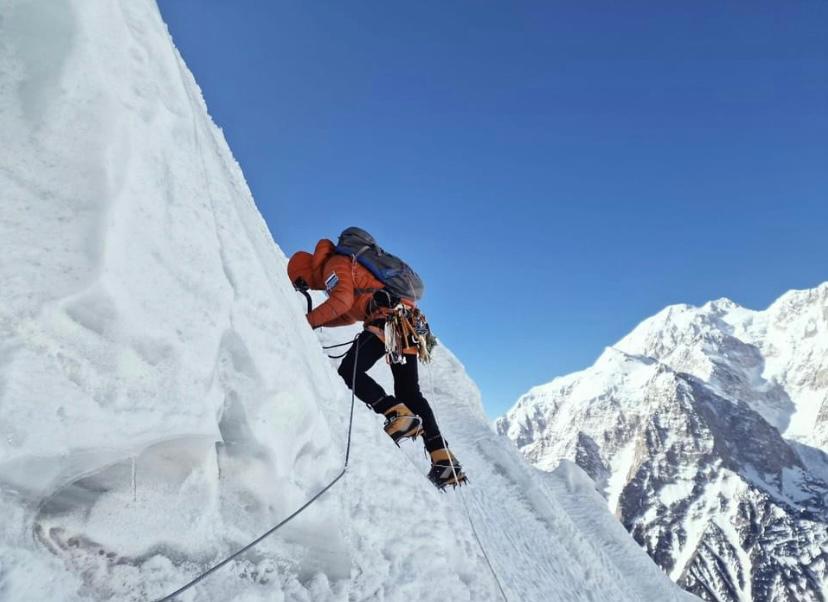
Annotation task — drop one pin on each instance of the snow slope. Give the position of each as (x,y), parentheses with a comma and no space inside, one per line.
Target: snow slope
(162,400)
(679,425)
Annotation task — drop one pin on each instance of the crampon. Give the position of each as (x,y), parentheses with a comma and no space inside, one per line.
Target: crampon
(401,423)
(446,470)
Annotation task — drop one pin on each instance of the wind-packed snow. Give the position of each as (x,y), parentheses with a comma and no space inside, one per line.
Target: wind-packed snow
(163,401)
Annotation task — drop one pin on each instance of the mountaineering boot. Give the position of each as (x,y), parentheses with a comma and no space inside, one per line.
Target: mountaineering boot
(445,469)
(400,422)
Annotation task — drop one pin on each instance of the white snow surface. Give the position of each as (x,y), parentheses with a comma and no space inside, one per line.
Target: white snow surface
(163,401)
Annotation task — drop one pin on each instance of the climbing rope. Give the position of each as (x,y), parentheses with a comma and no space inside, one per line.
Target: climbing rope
(480,545)
(340,356)
(463,498)
(340,344)
(299,511)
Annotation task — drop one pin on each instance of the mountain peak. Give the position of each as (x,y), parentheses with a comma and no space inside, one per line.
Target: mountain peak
(721,305)
(691,455)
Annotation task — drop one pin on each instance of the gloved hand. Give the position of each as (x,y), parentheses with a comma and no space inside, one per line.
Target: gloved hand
(383,298)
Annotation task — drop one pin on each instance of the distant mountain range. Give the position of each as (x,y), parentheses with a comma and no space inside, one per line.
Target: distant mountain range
(705,429)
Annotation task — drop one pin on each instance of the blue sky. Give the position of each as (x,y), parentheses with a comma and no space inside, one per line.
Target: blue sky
(556,171)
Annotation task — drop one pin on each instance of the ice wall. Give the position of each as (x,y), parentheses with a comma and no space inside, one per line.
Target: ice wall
(162,399)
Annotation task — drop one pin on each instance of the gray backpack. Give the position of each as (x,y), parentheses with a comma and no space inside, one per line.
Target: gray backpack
(399,279)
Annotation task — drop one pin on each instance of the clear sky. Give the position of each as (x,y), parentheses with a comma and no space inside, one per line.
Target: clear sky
(556,171)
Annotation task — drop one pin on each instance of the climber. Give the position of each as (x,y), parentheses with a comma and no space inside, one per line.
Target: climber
(365,283)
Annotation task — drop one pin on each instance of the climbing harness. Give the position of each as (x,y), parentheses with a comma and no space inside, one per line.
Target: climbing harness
(406,331)
(299,511)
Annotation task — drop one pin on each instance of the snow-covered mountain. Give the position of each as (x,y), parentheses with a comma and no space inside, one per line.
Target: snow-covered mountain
(163,401)
(705,428)
(775,360)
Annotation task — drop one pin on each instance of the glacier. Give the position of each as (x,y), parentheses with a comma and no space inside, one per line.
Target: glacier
(163,401)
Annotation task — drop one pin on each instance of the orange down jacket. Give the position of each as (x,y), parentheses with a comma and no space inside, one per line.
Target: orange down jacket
(341,277)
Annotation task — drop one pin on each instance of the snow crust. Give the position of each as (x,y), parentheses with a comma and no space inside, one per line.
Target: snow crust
(163,400)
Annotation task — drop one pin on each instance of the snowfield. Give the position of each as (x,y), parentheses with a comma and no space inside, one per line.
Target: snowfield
(163,401)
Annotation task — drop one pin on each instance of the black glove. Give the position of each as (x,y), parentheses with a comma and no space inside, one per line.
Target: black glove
(300,285)
(383,298)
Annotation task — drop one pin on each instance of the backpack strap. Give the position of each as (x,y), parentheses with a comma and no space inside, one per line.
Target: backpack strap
(361,251)
(360,291)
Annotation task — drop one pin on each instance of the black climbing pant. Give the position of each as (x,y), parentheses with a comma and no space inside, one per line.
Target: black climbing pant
(406,384)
